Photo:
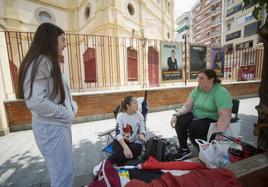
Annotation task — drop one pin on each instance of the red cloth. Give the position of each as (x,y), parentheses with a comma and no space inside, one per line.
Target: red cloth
(152,163)
(219,177)
(106,172)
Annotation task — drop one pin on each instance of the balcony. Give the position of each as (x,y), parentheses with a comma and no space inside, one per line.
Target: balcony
(216,11)
(213,33)
(181,29)
(210,23)
(198,11)
(213,1)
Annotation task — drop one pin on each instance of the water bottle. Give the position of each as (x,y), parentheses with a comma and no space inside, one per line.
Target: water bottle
(224,162)
(235,151)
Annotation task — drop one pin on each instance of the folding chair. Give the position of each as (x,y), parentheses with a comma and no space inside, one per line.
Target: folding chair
(235,109)
(234,127)
(110,137)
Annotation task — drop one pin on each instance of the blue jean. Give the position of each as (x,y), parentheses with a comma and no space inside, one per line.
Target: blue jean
(55,144)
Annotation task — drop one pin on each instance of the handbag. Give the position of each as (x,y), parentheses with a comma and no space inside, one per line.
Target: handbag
(232,130)
(248,149)
(107,176)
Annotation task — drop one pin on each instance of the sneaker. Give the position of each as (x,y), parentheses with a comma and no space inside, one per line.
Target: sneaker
(182,154)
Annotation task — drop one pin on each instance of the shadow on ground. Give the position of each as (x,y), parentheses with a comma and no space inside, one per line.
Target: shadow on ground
(22,169)
(247,128)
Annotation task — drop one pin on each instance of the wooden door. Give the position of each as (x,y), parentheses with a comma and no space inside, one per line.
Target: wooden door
(153,62)
(89,58)
(132,65)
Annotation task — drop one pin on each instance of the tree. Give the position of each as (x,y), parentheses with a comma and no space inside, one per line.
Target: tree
(262,108)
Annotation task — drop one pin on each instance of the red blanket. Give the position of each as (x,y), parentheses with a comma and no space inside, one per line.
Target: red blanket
(219,177)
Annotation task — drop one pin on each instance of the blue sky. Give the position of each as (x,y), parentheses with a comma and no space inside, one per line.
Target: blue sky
(182,6)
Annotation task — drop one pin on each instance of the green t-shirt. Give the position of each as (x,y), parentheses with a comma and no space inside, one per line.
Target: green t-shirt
(207,104)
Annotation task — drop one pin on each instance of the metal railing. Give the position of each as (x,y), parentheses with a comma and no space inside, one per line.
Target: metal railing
(213,33)
(243,64)
(105,62)
(216,11)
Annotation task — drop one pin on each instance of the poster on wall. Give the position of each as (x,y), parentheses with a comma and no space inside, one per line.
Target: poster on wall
(197,59)
(171,61)
(217,61)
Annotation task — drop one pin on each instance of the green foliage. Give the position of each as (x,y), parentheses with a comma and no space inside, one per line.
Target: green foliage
(260,4)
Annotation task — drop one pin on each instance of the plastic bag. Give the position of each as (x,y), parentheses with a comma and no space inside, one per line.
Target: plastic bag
(210,153)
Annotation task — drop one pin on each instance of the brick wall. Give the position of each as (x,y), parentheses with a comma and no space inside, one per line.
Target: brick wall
(102,104)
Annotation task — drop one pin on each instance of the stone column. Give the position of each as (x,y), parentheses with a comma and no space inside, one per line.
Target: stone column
(6,88)
(4,61)
(4,129)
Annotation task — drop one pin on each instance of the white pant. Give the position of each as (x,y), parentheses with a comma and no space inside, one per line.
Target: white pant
(55,144)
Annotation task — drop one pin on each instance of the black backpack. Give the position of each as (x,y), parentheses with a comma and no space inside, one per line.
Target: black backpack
(160,148)
(156,147)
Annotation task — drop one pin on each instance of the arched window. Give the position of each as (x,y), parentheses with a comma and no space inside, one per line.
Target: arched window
(45,16)
(87,11)
(132,65)
(89,58)
(14,74)
(131,9)
(153,62)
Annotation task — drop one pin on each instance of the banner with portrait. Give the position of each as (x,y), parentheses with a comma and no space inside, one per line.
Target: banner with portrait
(197,59)
(217,61)
(171,61)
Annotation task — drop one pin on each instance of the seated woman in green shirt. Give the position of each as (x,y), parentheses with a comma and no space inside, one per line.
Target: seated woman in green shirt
(207,103)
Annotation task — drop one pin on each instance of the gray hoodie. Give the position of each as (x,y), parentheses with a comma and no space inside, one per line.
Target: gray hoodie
(43,107)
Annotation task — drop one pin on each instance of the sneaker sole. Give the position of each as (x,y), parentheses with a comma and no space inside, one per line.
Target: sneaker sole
(184,156)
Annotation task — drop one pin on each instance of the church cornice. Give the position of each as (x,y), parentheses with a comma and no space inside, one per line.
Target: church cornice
(67,7)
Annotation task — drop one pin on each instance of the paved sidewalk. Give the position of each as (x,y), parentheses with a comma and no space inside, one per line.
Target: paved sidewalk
(21,163)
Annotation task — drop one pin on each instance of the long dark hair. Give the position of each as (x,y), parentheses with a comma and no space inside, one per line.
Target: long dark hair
(45,42)
(126,101)
(210,73)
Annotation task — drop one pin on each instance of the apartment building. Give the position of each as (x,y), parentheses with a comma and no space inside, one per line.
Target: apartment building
(184,27)
(207,18)
(240,27)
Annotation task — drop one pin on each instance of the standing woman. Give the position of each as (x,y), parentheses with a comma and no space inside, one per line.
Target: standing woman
(48,98)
